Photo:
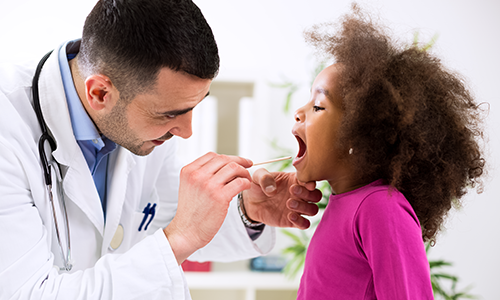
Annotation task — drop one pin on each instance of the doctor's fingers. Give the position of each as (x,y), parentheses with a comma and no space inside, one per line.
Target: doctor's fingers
(212,162)
(228,181)
(305,194)
(266,181)
(224,185)
(302,207)
(311,185)
(298,221)
(219,176)
(233,174)
(198,163)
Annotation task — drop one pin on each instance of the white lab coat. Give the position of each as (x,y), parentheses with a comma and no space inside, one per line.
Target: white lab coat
(143,266)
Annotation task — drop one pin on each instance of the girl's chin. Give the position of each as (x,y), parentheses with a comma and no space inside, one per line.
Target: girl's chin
(303,177)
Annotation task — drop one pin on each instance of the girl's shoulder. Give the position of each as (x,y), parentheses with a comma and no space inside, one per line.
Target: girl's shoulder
(380,202)
(375,192)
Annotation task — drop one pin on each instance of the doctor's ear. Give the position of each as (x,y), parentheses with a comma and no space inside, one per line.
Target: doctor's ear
(100,92)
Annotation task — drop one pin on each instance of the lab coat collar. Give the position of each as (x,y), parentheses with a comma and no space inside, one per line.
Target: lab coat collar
(121,162)
(77,180)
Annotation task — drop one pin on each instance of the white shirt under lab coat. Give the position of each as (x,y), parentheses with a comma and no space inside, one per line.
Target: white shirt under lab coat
(143,266)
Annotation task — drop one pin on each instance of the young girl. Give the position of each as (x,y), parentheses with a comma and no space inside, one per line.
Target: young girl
(396,136)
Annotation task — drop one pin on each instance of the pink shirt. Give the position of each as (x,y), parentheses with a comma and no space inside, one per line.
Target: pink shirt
(368,245)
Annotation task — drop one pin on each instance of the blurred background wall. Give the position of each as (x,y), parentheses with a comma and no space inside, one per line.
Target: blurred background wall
(261,43)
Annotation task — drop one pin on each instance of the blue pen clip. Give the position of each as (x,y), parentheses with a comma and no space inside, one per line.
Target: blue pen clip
(148,210)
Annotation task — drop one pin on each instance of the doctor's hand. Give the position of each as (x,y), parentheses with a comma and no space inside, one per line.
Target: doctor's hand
(206,188)
(279,199)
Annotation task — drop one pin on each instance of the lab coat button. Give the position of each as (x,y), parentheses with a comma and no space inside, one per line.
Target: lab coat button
(117,238)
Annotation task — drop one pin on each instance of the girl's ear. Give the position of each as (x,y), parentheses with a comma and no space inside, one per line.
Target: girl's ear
(100,92)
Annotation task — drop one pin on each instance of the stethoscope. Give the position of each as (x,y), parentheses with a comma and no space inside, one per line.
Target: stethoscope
(46,137)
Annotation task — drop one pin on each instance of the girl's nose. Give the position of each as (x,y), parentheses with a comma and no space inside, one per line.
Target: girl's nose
(299,115)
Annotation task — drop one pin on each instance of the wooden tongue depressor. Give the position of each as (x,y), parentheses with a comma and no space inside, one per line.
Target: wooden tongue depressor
(272,160)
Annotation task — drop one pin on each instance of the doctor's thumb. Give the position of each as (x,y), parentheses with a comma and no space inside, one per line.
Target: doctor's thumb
(266,181)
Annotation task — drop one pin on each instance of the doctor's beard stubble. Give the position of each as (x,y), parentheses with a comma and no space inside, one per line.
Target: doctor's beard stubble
(115,126)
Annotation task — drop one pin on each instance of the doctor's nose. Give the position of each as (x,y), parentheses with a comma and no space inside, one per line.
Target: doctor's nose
(183,126)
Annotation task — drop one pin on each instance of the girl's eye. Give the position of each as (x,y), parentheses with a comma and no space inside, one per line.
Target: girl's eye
(317,108)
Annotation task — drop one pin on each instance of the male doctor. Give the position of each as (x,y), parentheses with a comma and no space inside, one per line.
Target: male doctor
(122,220)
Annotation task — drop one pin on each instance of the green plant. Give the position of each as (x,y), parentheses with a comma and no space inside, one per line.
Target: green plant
(427,45)
(290,88)
(439,280)
(296,252)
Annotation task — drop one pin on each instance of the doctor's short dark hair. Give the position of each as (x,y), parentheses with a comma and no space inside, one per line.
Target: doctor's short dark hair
(409,119)
(130,41)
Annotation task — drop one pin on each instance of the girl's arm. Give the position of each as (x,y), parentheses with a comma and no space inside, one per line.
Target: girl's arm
(391,239)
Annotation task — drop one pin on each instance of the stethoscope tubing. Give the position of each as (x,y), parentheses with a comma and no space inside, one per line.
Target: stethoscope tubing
(39,115)
(46,137)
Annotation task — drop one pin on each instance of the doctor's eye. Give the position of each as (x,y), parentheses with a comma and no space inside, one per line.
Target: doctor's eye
(167,117)
(318,108)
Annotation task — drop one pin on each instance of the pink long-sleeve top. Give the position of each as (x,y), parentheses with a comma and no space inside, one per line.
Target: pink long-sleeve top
(368,245)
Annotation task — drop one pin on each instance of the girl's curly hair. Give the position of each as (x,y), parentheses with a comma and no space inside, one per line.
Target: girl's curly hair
(409,120)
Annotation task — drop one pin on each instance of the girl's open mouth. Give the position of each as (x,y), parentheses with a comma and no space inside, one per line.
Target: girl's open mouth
(302,150)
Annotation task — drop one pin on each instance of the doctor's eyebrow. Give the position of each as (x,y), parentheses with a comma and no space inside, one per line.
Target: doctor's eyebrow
(179,112)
